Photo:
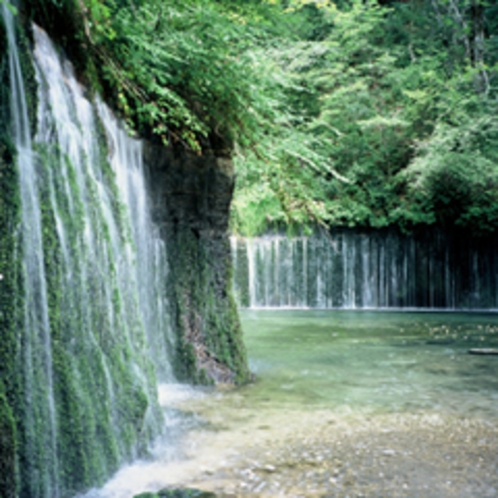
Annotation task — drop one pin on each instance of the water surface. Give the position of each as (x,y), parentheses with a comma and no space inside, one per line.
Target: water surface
(373,361)
(377,404)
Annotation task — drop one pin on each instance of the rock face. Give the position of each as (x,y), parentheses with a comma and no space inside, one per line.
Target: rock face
(81,316)
(191,196)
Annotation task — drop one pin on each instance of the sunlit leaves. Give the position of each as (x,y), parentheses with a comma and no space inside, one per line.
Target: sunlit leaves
(336,112)
(361,101)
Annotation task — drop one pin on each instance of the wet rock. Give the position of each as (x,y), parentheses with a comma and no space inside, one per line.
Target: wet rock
(191,197)
(177,493)
(484,351)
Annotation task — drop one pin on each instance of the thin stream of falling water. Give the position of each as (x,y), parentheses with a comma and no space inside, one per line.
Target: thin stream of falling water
(95,294)
(149,248)
(37,328)
(118,248)
(251,277)
(349,270)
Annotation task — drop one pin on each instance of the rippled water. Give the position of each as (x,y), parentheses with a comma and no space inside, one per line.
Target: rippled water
(336,394)
(373,361)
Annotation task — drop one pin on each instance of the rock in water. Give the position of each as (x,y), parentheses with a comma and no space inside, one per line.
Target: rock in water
(489,351)
(178,493)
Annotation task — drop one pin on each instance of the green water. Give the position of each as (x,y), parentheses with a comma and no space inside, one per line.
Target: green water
(377,404)
(361,362)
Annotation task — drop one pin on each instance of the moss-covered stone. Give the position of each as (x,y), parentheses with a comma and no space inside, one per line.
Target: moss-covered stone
(192,195)
(102,409)
(101,406)
(8,450)
(10,290)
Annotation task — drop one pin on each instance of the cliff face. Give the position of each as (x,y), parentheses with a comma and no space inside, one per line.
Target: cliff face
(85,336)
(191,200)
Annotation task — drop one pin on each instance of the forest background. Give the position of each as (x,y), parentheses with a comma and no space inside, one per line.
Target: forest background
(346,113)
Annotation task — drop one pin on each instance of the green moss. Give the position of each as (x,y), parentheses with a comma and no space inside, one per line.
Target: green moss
(103,409)
(11,301)
(100,405)
(205,311)
(8,449)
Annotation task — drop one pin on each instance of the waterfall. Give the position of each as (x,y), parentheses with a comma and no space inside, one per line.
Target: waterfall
(37,359)
(350,269)
(96,331)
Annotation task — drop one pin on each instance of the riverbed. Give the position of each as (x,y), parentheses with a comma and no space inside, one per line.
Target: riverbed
(373,404)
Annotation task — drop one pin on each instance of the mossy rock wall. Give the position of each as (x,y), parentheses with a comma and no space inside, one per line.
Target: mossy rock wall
(192,195)
(11,289)
(103,410)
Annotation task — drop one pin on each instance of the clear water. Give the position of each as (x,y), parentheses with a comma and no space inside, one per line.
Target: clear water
(351,389)
(373,361)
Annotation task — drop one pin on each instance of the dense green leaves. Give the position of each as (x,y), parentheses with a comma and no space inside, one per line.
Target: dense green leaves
(455,174)
(380,102)
(177,76)
(339,113)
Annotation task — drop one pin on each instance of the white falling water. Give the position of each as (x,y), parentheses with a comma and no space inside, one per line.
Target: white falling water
(115,260)
(37,337)
(150,249)
(97,334)
(369,270)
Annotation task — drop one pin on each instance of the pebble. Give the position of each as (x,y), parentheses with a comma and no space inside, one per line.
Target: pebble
(269,468)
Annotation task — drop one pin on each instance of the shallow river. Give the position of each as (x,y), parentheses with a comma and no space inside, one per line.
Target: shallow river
(372,404)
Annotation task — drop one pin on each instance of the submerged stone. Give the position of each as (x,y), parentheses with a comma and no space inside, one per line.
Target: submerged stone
(484,351)
(178,493)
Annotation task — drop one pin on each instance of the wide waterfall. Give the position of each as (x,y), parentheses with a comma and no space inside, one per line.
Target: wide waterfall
(95,333)
(353,269)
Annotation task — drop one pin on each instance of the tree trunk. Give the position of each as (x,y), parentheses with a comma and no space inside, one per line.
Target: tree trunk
(477,42)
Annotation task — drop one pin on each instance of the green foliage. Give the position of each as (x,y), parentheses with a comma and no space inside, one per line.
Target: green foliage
(358,105)
(178,70)
(323,104)
(455,174)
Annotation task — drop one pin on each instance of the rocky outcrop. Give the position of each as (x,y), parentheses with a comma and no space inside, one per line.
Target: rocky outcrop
(191,195)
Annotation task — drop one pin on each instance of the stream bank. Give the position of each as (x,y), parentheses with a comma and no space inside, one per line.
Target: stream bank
(373,404)
(325,454)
